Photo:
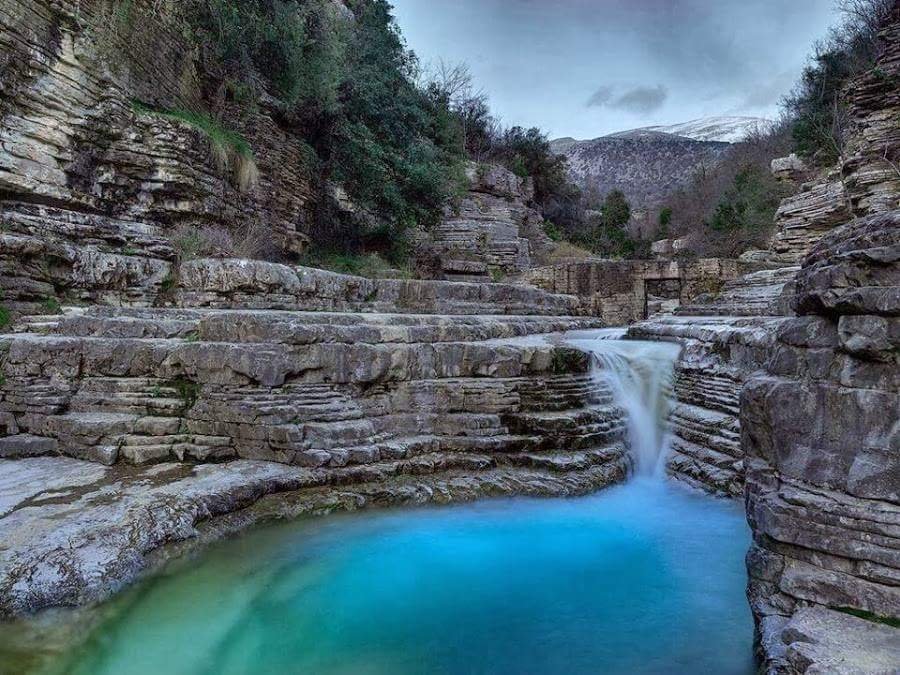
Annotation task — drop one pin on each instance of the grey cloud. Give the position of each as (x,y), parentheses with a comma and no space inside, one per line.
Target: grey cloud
(602,97)
(640,100)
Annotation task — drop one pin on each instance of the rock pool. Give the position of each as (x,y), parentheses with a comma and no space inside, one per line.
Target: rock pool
(647,577)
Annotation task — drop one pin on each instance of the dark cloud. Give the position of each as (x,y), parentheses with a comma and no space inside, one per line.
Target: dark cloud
(639,100)
(602,97)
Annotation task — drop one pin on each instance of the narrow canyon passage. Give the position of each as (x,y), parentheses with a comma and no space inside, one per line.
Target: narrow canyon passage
(645,577)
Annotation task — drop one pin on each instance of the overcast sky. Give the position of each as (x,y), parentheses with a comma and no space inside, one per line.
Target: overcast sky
(585,68)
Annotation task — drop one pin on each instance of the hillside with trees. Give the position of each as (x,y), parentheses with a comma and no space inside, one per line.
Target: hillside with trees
(729,209)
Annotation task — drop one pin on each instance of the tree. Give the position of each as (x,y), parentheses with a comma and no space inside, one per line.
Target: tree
(665,218)
(819,117)
(746,211)
(616,210)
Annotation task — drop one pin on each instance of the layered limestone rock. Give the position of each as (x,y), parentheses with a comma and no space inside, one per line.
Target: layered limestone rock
(871,161)
(233,283)
(820,434)
(220,410)
(492,230)
(41,270)
(77,157)
(310,389)
(802,219)
(758,293)
(718,356)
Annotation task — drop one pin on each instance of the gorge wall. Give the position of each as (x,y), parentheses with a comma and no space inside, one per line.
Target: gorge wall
(820,432)
(494,229)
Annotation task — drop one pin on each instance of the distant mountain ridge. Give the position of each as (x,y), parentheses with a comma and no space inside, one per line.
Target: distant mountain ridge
(724,129)
(650,163)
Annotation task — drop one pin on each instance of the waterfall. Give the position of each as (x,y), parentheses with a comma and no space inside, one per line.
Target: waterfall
(640,376)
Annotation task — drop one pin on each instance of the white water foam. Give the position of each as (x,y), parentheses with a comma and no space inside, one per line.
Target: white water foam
(640,374)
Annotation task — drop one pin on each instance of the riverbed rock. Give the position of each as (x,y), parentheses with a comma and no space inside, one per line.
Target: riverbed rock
(74,532)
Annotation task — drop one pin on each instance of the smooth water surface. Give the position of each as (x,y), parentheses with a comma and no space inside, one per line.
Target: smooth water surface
(642,578)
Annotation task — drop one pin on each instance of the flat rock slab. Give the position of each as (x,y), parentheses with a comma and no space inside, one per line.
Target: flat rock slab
(72,531)
(824,641)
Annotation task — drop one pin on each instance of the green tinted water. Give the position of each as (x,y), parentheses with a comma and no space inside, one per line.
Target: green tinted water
(644,578)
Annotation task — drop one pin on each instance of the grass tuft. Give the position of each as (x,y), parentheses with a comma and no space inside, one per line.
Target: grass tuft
(893,622)
(369,265)
(51,305)
(229,148)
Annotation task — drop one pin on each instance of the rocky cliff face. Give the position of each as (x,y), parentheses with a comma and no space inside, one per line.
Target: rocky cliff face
(493,229)
(820,434)
(91,184)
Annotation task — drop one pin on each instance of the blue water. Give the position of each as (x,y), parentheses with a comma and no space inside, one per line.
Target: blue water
(642,578)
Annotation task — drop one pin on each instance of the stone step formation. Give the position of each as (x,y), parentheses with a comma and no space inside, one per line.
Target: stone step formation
(204,407)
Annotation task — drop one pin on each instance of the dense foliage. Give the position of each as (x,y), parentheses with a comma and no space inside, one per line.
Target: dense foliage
(731,207)
(815,107)
(347,85)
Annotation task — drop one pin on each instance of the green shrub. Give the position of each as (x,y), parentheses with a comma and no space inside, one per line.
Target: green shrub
(188,391)
(616,211)
(5,318)
(51,305)
(751,202)
(369,265)
(664,219)
(212,129)
(552,231)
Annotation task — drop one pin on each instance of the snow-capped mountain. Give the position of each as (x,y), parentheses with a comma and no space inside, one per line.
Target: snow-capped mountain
(723,129)
(647,164)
